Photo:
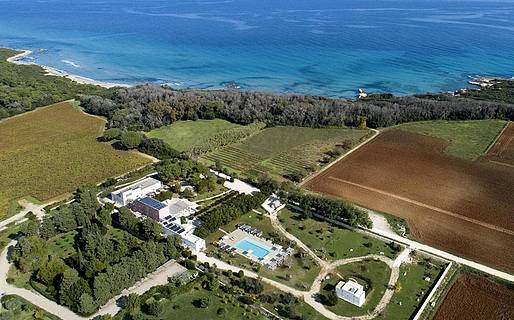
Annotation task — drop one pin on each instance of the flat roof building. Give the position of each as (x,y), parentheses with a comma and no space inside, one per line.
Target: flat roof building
(181,207)
(150,207)
(273,205)
(171,226)
(136,191)
(351,292)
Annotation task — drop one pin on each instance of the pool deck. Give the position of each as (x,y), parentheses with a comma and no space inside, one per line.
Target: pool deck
(272,259)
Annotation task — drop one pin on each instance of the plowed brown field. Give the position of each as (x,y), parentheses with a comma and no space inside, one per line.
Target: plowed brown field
(459,206)
(503,150)
(472,297)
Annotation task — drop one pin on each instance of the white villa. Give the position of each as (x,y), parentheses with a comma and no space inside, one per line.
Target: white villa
(273,205)
(351,292)
(136,191)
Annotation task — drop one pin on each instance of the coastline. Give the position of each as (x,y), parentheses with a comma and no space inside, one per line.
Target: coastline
(50,71)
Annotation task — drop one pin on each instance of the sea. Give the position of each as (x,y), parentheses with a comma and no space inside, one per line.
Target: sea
(316,47)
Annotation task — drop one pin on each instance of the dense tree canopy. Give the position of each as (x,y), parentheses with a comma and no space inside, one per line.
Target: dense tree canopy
(25,87)
(150,106)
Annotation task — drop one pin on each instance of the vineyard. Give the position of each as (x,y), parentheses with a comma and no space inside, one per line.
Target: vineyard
(284,151)
(52,151)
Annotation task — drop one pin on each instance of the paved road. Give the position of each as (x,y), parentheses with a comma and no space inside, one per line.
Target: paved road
(327,267)
(35,298)
(278,226)
(158,277)
(38,210)
(428,249)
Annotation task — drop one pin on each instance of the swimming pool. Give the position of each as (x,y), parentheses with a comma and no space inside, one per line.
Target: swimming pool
(257,249)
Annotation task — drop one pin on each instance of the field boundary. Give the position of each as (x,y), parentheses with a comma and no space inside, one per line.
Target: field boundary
(432,292)
(421,204)
(317,173)
(496,138)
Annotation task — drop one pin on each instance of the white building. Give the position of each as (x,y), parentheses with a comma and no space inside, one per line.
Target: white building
(135,191)
(352,292)
(273,205)
(171,226)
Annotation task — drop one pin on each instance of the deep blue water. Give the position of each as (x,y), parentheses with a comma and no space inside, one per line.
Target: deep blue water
(326,47)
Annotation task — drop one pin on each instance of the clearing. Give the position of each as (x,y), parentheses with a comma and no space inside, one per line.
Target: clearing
(286,150)
(53,150)
(467,139)
(459,206)
(182,135)
(474,297)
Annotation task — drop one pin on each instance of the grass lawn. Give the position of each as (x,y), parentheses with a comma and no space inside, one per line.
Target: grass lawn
(299,271)
(52,151)
(373,275)
(182,135)
(20,309)
(284,150)
(468,139)
(219,189)
(62,245)
(412,288)
(183,307)
(332,242)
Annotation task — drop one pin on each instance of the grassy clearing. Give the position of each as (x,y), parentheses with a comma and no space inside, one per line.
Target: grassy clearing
(332,242)
(62,245)
(468,139)
(15,307)
(373,275)
(411,287)
(183,307)
(51,151)
(284,150)
(299,271)
(181,135)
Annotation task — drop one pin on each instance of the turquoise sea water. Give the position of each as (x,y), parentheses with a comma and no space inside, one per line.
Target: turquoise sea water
(257,250)
(325,47)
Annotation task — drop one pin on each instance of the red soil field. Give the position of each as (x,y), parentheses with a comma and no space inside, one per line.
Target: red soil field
(503,150)
(472,297)
(459,206)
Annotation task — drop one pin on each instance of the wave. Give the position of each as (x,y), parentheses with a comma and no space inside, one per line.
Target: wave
(71,63)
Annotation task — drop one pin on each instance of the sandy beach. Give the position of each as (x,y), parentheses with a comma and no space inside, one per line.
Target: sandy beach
(18,59)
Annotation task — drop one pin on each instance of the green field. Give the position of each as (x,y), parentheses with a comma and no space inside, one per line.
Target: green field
(467,139)
(284,150)
(52,151)
(331,242)
(182,307)
(298,272)
(182,135)
(411,287)
(373,275)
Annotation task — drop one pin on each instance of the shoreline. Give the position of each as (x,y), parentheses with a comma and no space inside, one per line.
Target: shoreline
(476,82)
(50,71)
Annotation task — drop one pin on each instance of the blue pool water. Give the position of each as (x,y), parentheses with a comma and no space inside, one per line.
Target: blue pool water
(258,250)
(325,47)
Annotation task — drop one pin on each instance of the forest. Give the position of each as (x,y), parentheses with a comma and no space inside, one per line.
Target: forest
(149,106)
(104,258)
(145,107)
(26,87)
